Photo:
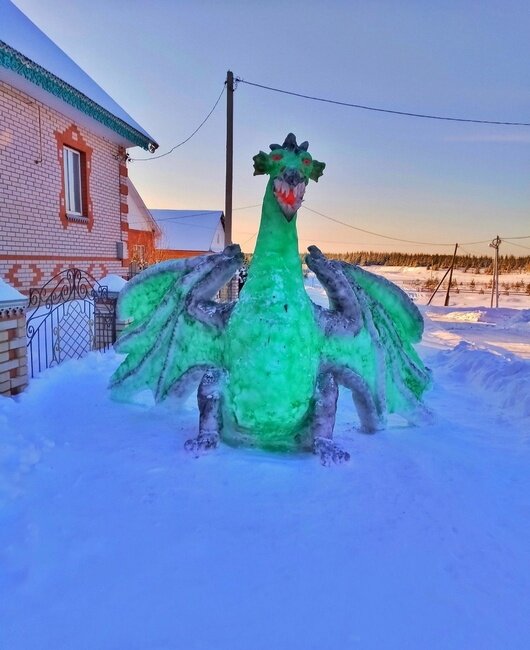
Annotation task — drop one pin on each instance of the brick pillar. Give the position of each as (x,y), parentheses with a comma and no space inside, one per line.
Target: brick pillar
(121,324)
(13,357)
(114,285)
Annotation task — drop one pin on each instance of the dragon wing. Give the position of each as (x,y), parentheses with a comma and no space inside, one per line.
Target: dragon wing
(384,324)
(175,323)
(395,324)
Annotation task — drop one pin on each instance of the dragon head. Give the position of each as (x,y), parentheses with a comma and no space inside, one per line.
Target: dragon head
(290,167)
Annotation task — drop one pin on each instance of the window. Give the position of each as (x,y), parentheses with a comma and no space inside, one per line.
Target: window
(75,160)
(72,181)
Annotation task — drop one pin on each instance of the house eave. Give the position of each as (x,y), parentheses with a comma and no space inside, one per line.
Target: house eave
(12,60)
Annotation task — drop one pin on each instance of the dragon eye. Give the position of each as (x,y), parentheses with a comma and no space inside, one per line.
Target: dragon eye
(276,156)
(306,161)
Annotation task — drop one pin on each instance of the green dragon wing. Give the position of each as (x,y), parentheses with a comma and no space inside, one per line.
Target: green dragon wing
(383,323)
(395,324)
(175,324)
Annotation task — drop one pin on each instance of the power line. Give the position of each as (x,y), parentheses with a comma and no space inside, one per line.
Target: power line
(511,243)
(188,138)
(351,243)
(377,234)
(194,213)
(249,239)
(187,215)
(380,110)
(247,207)
(468,252)
(398,239)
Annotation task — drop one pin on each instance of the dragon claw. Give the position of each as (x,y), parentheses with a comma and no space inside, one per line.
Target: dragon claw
(202,444)
(329,452)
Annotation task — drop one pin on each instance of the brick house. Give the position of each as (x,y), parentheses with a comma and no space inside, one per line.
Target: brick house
(187,233)
(63,175)
(144,232)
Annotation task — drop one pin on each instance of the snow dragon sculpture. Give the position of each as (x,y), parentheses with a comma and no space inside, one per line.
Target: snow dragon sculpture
(268,366)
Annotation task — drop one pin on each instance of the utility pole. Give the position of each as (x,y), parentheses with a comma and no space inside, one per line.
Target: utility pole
(446,303)
(450,272)
(495,284)
(229,154)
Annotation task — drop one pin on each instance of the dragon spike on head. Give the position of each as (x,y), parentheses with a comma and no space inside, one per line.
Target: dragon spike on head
(290,144)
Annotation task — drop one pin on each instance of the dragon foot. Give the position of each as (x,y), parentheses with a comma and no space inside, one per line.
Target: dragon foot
(329,452)
(202,444)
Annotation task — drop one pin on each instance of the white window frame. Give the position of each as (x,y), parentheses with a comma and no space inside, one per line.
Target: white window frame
(73,191)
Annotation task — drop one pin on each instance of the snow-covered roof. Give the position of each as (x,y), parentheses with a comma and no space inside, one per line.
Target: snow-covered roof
(9,295)
(192,230)
(33,63)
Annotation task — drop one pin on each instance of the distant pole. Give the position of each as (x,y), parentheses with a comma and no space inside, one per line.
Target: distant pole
(229,154)
(495,283)
(446,303)
(438,286)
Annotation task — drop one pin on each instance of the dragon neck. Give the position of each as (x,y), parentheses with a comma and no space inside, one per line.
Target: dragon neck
(277,242)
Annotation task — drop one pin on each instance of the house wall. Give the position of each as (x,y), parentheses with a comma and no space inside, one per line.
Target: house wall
(166,254)
(218,241)
(145,238)
(37,241)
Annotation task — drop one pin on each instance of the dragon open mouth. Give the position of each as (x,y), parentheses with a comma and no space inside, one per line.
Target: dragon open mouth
(289,196)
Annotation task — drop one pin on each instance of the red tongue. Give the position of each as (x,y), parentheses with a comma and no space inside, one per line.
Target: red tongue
(289,198)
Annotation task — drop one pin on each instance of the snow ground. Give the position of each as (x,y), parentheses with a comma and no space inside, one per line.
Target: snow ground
(112,538)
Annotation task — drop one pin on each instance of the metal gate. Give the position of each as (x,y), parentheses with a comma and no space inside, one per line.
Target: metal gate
(68,317)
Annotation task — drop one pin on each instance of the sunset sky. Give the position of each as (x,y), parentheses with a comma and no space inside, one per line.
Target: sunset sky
(428,181)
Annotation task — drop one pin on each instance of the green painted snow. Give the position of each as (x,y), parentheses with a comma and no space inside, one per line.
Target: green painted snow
(272,346)
(272,341)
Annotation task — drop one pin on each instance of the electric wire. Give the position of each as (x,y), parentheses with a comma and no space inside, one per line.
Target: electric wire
(467,252)
(186,216)
(511,243)
(188,138)
(377,234)
(249,239)
(351,243)
(380,110)
(198,214)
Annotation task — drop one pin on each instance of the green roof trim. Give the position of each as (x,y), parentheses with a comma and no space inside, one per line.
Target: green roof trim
(17,62)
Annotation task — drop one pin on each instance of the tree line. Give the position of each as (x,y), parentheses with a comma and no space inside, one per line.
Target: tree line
(436,262)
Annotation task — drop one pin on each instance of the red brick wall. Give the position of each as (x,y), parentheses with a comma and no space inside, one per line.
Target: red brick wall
(36,241)
(166,254)
(145,238)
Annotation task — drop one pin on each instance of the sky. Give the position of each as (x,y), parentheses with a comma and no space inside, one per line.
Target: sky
(427,181)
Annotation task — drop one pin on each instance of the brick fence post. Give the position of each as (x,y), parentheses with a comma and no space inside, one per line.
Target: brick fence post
(13,350)
(114,285)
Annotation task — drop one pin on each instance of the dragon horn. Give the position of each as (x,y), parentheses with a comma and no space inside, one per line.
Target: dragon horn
(290,142)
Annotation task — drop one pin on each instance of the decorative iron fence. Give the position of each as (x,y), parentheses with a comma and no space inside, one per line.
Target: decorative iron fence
(68,317)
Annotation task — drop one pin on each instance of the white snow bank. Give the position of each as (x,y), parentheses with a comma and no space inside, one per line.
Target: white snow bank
(502,377)
(465,316)
(501,317)
(115,283)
